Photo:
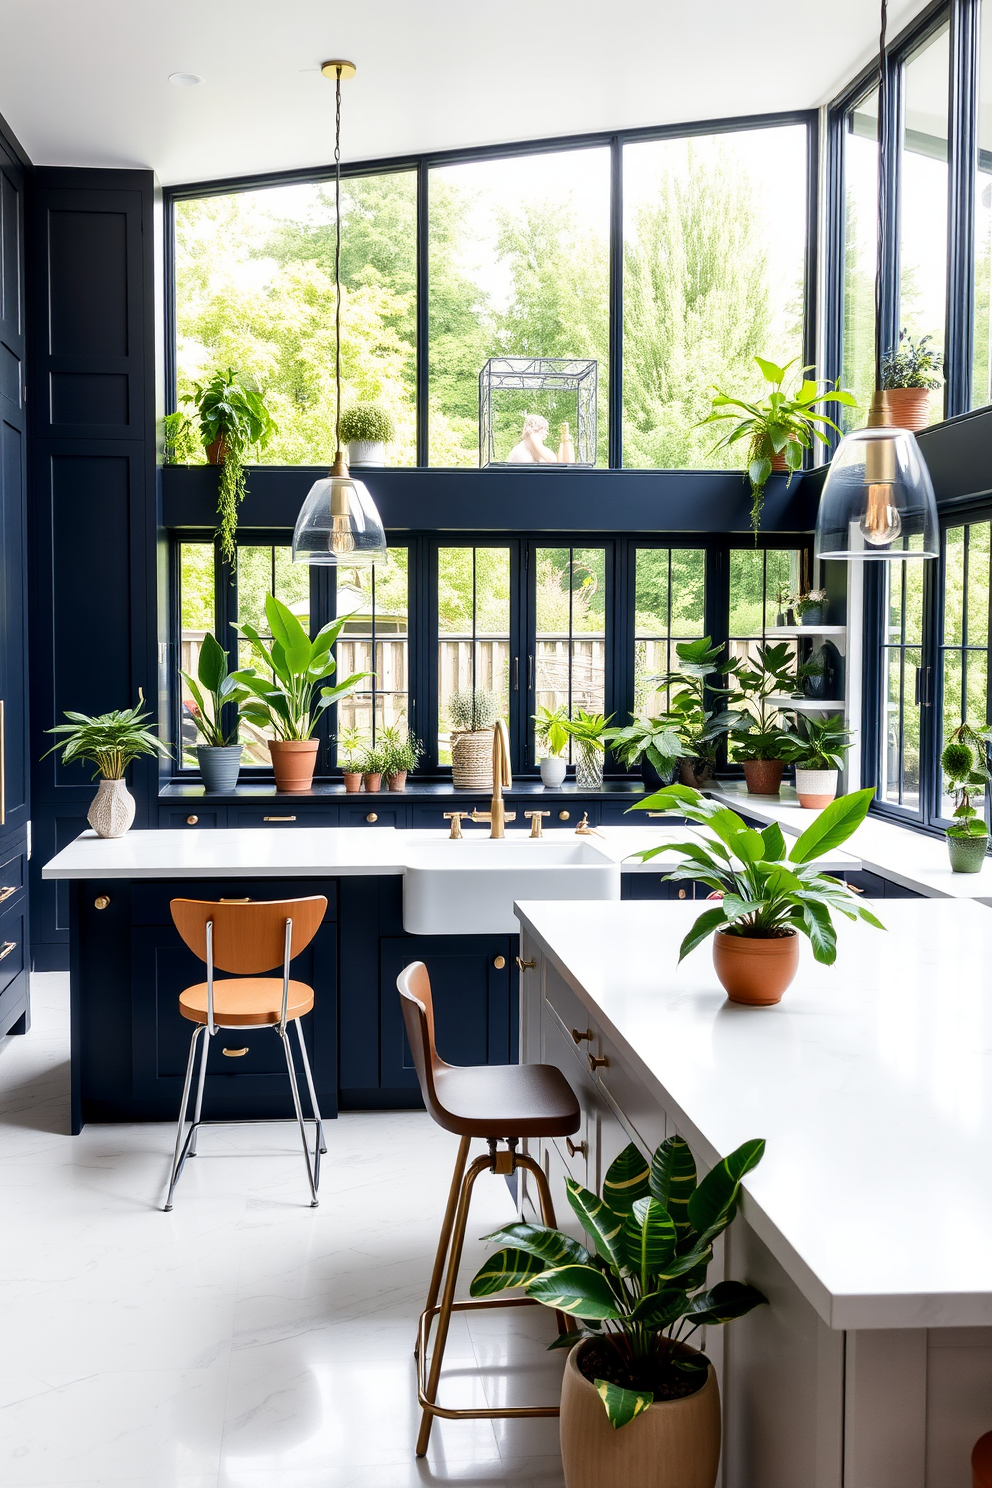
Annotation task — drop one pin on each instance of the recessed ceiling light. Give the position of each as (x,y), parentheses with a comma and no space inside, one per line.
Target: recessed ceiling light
(185,79)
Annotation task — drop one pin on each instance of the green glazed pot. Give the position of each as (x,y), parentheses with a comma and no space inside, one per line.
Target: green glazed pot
(967,854)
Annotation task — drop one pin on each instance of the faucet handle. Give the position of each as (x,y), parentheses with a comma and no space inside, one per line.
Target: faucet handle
(536,822)
(584,829)
(456,818)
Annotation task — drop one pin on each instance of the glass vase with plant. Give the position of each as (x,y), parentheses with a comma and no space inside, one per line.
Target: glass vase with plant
(965,763)
(403,752)
(367,428)
(778,428)
(349,742)
(817,748)
(759,737)
(766,899)
(110,741)
(219,756)
(233,421)
(551,740)
(651,744)
(373,760)
(640,1293)
(289,694)
(588,732)
(473,713)
(910,372)
(695,684)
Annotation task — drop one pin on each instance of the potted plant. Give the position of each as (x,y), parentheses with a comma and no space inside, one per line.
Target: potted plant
(636,1394)
(965,763)
(766,900)
(551,737)
(589,732)
(909,375)
(690,689)
(179,441)
(233,420)
(472,716)
(219,756)
(402,751)
(289,697)
(349,742)
(372,763)
(817,749)
(760,742)
(808,608)
(779,427)
(110,741)
(367,428)
(653,744)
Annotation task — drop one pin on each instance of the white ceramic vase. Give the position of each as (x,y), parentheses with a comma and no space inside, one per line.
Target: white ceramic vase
(816,788)
(552,770)
(112,810)
(366,452)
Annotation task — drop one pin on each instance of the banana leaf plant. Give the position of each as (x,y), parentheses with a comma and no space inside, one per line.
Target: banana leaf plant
(764,894)
(224,690)
(641,1291)
(289,699)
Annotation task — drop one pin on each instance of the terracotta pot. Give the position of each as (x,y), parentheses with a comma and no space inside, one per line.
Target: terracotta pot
(352,781)
(673,1444)
(816,788)
(764,777)
(217,451)
(697,773)
(900,408)
(112,809)
(779,462)
(293,761)
(755,971)
(967,854)
(396,782)
(372,782)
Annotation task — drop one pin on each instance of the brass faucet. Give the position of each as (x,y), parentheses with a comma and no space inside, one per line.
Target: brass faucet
(584,829)
(497,815)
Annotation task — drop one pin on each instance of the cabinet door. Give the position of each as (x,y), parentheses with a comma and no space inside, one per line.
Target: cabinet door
(472,978)
(192,817)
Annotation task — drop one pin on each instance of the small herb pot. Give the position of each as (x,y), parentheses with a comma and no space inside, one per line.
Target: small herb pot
(396,781)
(373,782)
(816,788)
(219,765)
(552,770)
(967,854)
(352,781)
(755,970)
(764,777)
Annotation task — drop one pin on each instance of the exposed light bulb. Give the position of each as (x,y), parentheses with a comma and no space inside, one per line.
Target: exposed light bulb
(881,523)
(342,539)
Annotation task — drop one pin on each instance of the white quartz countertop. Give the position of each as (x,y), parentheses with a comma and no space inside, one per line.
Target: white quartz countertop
(871,1082)
(331,852)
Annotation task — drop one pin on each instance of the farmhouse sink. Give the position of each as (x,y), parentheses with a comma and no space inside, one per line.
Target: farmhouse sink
(468,888)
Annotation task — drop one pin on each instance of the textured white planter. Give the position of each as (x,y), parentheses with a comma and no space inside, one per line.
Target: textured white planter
(112,811)
(816,788)
(552,770)
(365,452)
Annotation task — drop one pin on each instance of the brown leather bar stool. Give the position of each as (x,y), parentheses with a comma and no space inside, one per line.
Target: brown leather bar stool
(501,1103)
(981,1462)
(247,937)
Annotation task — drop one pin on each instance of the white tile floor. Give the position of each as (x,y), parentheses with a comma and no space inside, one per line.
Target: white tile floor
(243,1339)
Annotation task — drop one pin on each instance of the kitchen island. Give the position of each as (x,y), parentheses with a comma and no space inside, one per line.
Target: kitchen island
(866,1225)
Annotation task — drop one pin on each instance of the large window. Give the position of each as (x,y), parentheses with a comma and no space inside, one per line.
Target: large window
(905,685)
(266,569)
(570,629)
(473,630)
(714,264)
(981,388)
(860,256)
(669,606)
(196,618)
(375,639)
(966,640)
(923,196)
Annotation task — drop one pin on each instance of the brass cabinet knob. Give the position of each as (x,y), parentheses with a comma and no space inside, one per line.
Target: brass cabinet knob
(101,901)
(564,815)
(499,962)
(525,965)
(581,1034)
(597,1061)
(373,816)
(681,893)
(574,1148)
(191,821)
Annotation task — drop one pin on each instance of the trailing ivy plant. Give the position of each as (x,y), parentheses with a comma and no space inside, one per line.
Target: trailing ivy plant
(641,1291)
(234,419)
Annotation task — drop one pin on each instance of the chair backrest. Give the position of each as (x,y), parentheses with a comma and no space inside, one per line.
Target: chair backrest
(417,1004)
(249,935)
(981,1462)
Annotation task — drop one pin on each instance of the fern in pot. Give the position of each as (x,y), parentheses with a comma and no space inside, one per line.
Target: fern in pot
(403,752)
(472,715)
(551,739)
(965,762)
(372,762)
(219,756)
(110,741)
(367,428)
(640,1406)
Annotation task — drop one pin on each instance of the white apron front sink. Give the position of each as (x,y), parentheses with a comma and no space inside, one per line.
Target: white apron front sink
(469,887)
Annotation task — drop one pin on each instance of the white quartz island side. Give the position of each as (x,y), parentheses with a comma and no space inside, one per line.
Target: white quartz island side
(867,1224)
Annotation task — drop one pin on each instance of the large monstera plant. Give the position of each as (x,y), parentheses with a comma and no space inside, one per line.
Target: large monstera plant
(642,1289)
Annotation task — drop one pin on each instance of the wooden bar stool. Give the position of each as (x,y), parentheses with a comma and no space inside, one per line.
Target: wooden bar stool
(981,1462)
(247,937)
(501,1103)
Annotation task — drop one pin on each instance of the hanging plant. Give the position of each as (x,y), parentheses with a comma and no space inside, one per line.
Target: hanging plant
(233,421)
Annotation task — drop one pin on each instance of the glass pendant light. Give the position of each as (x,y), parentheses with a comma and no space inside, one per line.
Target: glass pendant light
(877,500)
(338,523)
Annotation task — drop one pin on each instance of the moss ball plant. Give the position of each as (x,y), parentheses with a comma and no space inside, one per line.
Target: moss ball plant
(957,761)
(367,423)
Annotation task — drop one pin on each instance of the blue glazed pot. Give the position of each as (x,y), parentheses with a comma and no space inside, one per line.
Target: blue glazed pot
(219,766)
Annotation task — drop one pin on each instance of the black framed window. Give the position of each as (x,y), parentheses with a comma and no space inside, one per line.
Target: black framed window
(571,601)
(981,387)
(905,689)
(860,249)
(475,586)
(375,639)
(966,630)
(669,606)
(197,617)
(261,569)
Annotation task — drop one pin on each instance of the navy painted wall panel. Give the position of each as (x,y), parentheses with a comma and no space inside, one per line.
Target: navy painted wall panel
(88,299)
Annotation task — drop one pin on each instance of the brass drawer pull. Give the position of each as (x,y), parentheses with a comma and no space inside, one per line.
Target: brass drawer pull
(523,965)
(574,1148)
(499,962)
(597,1061)
(682,892)
(581,1034)
(102,901)
(372,816)
(6,948)
(278,818)
(234,1053)
(191,821)
(245,900)
(6,891)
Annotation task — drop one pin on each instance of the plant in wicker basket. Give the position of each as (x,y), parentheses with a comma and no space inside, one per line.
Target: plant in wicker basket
(472,715)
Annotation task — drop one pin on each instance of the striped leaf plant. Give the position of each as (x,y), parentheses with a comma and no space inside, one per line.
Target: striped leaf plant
(641,1289)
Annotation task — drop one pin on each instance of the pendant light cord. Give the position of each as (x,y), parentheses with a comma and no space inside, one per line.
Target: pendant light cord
(337,259)
(883,150)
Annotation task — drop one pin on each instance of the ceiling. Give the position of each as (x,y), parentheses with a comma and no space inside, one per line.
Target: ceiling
(86,82)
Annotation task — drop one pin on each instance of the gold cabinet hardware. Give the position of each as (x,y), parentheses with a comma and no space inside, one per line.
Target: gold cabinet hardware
(456,818)
(574,1148)
(278,818)
(523,965)
(657,813)
(373,816)
(597,1061)
(234,1053)
(682,893)
(580,1035)
(6,948)
(564,815)
(6,892)
(191,821)
(245,900)
(536,821)
(101,901)
(499,962)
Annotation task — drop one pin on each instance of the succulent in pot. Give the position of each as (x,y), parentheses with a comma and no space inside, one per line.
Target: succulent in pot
(349,742)
(403,752)
(551,738)
(110,741)
(696,680)
(634,1388)
(767,899)
(965,762)
(290,696)
(909,375)
(219,756)
(233,421)
(817,749)
(472,716)
(589,732)
(651,743)
(367,428)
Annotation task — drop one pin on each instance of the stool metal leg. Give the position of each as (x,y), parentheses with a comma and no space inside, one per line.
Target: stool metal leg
(180,1157)
(199,1095)
(287,1050)
(313,1093)
(446,1224)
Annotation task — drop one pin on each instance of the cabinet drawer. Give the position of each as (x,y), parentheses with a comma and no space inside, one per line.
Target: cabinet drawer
(13,951)
(282,814)
(13,872)
(372,814)
(194,815)
(567,1010)
(630,1103)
